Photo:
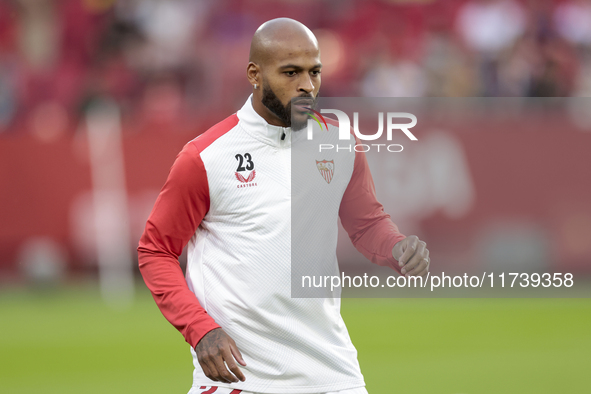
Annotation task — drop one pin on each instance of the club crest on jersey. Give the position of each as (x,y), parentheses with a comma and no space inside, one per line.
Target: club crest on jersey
(326,169)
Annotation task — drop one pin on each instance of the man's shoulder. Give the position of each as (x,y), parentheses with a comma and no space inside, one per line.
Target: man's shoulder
(204,140)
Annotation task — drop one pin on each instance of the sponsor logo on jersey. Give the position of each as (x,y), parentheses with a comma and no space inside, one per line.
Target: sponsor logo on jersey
(246,182)
(326,169)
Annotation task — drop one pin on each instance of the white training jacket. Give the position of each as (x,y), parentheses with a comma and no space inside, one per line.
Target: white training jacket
(229,197)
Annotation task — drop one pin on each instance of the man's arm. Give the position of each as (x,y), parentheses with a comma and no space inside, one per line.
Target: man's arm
(179,209)
(372,231)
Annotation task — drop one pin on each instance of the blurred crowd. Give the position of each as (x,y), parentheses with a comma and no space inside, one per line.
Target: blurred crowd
(181,64)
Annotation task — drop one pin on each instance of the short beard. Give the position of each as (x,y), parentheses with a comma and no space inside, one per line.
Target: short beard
(283,112)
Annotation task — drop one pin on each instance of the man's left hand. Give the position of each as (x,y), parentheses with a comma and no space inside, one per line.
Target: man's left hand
(412,255)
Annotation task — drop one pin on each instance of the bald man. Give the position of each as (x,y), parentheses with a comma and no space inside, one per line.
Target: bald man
(228,197)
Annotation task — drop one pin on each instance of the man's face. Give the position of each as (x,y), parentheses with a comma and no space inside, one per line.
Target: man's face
(293,74)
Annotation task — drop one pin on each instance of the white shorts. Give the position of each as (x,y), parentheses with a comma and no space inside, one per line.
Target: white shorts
(223,390)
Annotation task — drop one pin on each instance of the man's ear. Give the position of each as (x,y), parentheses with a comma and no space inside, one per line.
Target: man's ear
(253,73)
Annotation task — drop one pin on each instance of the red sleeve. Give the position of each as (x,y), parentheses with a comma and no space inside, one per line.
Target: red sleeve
(179,209)
(363,217)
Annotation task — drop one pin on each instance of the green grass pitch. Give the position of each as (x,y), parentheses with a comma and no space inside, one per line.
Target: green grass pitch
(68,341)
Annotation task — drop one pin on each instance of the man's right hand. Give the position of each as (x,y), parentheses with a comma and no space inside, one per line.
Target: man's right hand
(215,348)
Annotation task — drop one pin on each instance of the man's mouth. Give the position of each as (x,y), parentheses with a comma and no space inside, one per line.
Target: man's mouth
(304,105)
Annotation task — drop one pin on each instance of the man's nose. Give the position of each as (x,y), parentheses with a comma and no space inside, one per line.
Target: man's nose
(306,85)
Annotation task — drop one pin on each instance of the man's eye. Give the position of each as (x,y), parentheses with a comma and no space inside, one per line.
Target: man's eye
(290,73)
(317,72)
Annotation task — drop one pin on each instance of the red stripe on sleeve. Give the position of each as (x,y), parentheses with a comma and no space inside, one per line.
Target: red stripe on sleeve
(179,209)
(363,217)
(206,139)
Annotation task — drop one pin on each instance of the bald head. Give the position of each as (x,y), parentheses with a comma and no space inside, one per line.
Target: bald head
(284,64)
(275,38)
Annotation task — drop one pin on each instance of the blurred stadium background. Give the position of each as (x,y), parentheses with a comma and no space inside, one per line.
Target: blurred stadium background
(98,96)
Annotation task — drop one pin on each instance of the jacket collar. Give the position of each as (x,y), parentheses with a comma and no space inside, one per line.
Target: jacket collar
(258,127)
